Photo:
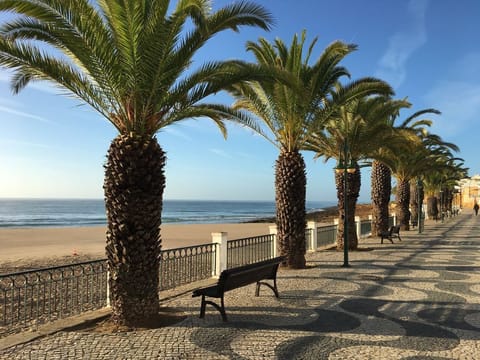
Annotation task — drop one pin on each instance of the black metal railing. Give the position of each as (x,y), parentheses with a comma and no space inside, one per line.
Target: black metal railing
(249,250)
(326,236)
(34,297)
(186,265)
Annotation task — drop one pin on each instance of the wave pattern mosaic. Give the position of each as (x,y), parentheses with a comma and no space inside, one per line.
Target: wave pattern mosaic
(415,299)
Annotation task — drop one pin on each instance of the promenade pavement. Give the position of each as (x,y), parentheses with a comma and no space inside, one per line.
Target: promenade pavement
(414,299)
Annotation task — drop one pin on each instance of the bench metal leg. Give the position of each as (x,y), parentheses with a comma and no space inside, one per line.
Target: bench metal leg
(221,308)
(222,311)
(202,307)
(274,287)
(386,237)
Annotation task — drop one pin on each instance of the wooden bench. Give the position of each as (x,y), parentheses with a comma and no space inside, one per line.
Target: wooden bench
(394,231)
(237,277)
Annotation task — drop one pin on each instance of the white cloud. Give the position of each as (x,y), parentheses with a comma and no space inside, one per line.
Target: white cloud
(459,103)
(12,111)
(467,68)
(5,75)
(46,87)
(43,86)
(392,65)
(457,96)
(244,155)
(221,153)
(175,132)
(24,143)
(9,102)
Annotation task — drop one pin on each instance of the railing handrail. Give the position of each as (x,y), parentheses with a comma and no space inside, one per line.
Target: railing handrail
(188,247)
(249,238)
(26,272)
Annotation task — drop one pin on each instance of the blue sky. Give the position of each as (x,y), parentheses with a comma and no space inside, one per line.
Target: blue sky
(427,50)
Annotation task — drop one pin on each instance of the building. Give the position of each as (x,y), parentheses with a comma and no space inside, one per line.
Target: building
(468,191)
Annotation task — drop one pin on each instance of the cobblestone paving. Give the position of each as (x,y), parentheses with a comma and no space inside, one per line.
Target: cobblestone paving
(415,299)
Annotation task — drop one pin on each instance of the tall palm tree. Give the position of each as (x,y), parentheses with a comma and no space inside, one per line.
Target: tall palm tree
(287,111)
(129,60)
(381,176)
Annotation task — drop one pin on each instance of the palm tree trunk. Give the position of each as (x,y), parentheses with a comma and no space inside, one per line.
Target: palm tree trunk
(381,192)
(403,203)
(290,192)
(421,196)
(134,183)
(353,190)
(448,201)
(432,207)
(414,202)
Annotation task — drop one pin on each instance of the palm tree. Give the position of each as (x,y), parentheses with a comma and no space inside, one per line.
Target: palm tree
(425,156)
(360,123)
(287,111)
(129,60)
(441,180)
(381,176)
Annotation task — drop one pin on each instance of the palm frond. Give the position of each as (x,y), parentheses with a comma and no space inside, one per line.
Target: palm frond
(127,59)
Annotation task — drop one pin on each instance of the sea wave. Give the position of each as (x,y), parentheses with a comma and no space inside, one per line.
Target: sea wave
(20,213)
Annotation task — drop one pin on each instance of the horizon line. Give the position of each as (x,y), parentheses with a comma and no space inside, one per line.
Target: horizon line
(166,199)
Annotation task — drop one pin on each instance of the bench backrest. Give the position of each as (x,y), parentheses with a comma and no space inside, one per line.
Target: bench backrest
(395,230)
(248,274)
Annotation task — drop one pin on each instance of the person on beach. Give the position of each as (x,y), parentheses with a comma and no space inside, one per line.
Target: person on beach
(475,208)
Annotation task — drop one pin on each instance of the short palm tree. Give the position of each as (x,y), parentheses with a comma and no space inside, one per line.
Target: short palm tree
(441,180)
(426,155)
(287,111)
(356,130)
(129,60)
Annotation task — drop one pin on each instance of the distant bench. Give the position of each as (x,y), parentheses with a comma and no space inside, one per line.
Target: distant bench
(394,231)
(237,277)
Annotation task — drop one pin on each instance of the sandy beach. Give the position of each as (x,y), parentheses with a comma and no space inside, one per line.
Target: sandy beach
(24,248)
(26,244)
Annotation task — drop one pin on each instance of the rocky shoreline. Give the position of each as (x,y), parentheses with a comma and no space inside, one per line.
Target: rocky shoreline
(326,215)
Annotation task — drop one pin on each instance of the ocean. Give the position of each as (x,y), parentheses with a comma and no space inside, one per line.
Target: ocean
(20,213)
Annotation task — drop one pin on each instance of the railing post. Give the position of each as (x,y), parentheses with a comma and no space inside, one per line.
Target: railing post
(220,258)
(394,215)
(312,225)
(358,226)
(108,289)
(370,218)
(273,231)
(336,222)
